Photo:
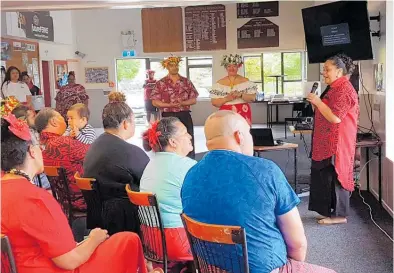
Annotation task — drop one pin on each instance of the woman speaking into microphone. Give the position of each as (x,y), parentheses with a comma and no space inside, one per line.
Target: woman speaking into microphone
(334,142)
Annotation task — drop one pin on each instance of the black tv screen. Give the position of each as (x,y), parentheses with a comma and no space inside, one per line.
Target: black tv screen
(339,27)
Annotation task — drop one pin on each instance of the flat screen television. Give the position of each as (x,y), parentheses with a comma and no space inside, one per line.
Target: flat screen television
(338,27)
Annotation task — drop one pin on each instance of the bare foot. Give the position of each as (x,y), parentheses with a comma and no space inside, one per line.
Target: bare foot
(332,221)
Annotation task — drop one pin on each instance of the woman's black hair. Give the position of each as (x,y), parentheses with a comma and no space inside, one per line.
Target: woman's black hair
(167,129)
(13,149)
(7,77)
(114,113)
(71,73)
(24,73)
(343,61)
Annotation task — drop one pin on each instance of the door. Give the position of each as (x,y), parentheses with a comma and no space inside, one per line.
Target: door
(46,86)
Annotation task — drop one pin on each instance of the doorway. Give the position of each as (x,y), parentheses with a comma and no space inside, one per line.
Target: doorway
(46,86)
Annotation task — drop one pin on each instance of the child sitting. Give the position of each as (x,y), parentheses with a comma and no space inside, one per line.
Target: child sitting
(78,127)
(28,115)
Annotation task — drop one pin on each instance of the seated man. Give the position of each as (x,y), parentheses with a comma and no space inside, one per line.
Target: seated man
(62,150)
(242,190)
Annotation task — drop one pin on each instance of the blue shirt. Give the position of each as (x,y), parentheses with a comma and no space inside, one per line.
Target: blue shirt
(242,191)
(164,176)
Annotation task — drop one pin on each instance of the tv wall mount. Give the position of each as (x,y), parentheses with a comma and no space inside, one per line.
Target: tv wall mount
(376,33)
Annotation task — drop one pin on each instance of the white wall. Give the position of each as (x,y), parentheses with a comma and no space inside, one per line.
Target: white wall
(98,36)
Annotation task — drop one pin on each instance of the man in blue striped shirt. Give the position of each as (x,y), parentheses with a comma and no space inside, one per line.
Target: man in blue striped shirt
(78,127)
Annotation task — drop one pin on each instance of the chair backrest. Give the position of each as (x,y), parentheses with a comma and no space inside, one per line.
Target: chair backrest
(91,194)
(151,227)
(60,189)
(7,258)
(217,248)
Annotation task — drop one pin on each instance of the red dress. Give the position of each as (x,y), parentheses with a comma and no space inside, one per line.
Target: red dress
(68,96)
(339,140)
(239,105)
(38,231)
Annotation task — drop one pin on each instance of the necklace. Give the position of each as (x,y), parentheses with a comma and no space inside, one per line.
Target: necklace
(232,81)
(20,173)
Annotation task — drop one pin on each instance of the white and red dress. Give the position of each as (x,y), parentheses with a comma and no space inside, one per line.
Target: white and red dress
(238,105)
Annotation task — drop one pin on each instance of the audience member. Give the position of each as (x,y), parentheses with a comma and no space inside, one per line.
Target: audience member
(62,150)
(12,86)
(34,90)
(70,94)
(242,190)
(115,163)
(78,126)
(38,231)
(164,176)
(22,112)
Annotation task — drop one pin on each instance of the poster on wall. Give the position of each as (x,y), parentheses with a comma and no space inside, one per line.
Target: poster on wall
(258,9)
(96,74)
(36,25)
(258,33)
(5,51)
(17,46)
(25,61)
(205,27)
(378,71)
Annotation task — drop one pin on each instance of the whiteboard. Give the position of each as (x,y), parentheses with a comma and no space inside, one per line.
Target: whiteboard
(96,74)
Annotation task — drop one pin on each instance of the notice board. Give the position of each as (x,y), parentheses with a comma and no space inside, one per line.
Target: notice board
(205,27)
(162,29)
(258,9)
(22,54)
(258,33)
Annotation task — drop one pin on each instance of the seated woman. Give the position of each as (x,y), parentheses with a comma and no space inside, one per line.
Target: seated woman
(114,163)
(40,237)
(164,175)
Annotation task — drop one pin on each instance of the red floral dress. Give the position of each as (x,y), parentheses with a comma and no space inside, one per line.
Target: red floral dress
(338,139)
(68,96)
(239,105)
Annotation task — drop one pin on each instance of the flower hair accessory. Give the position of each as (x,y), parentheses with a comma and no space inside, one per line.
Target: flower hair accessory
(18,127)
(153,136)
(171,60)
(232,59)
(8,104)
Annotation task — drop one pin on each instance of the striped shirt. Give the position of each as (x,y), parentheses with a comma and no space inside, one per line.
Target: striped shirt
(87,135)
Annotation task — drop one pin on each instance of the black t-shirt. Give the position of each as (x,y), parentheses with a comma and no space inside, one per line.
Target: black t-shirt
(114,163)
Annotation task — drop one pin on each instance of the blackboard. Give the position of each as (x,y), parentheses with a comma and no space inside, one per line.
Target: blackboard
(258,33)
(258,9)
(205,27)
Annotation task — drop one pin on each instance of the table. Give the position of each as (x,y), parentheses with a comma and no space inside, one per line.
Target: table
(269,110)
(373,143)
(283,147)
(367,144)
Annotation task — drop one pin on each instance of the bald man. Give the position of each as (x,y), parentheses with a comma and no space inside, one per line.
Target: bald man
(242,190)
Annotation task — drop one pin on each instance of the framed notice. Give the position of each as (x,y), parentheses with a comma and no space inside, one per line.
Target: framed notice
(258,9)
(96,74)
(258,33)
(205,27)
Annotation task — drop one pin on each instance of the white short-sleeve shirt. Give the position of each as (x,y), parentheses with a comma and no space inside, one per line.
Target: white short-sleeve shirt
(220,91)
(20,90)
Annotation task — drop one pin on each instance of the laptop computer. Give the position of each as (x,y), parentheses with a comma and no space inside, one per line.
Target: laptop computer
(262,137)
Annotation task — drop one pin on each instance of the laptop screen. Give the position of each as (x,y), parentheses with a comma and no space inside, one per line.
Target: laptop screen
(262,137)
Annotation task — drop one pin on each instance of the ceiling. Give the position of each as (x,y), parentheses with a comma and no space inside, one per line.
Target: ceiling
(112,4)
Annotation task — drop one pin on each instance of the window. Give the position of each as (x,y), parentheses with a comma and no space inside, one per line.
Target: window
(199,71)
(263,68)
(160,72)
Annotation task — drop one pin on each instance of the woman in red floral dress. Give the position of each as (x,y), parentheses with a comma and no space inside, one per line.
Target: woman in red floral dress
(334,143)
(69,95)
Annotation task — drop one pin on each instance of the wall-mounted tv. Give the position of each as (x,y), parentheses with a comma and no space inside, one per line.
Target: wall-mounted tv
(338,27)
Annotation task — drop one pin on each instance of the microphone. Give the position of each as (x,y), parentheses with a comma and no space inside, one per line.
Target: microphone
(314,87)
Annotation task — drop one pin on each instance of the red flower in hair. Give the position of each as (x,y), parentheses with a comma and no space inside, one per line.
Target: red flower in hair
(153,136)
(18,127)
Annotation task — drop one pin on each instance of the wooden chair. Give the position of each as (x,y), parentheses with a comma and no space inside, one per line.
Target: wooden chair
(91,194)
(7,258)
(61,191)
(152,232)
(216,248)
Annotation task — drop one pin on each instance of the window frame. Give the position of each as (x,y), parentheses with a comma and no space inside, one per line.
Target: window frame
(283,81)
